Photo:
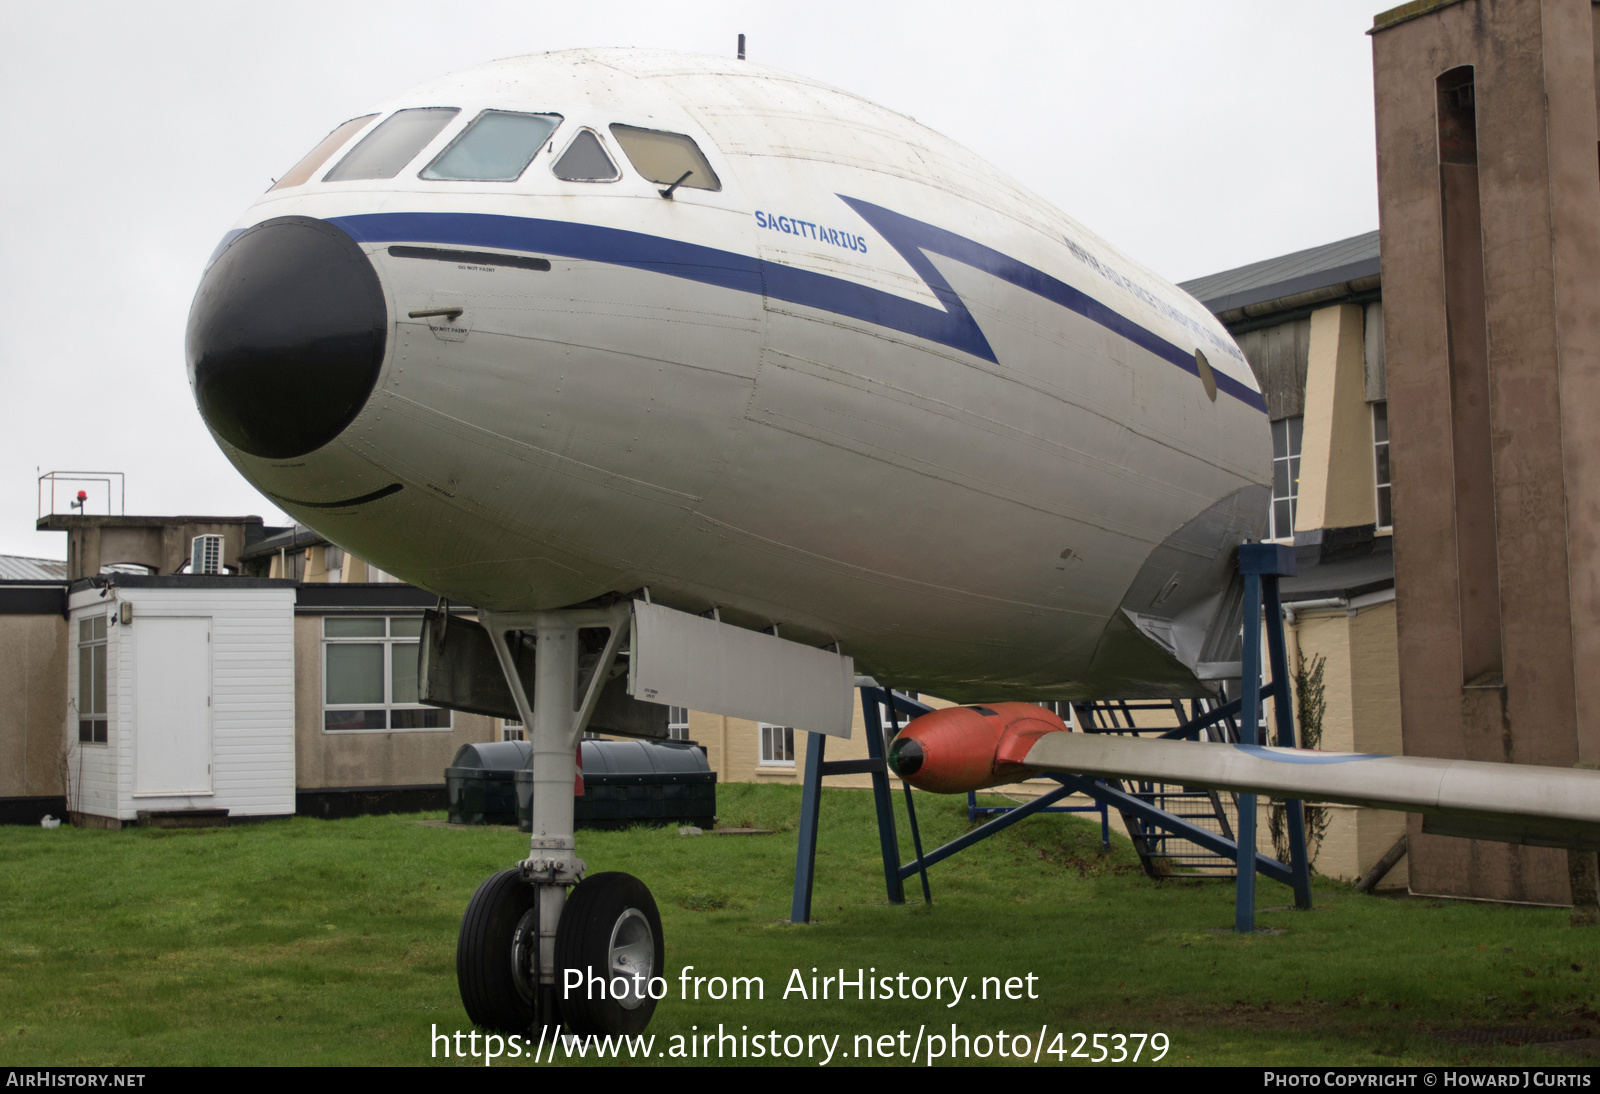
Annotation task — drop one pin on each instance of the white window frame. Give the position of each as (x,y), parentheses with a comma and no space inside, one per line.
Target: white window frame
(97,645)
(886,717)
(775,740)
(677,723)
(1291,458)
(1381,458)
(387,641)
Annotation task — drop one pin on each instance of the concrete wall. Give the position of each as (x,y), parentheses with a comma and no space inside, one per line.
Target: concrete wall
(33,718)
(341,758)
(1494,388)
(1362,685)
(161,544)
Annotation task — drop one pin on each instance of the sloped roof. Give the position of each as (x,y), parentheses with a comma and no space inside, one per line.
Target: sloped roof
(1286,275)
(20,568)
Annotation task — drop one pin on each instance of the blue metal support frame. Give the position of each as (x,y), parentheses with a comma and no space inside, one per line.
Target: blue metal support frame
(818,768)
(805,857)
(984,831)
(1212,717)
(974,811)
(1261,564)
(911,806)
(1283,719)
(1244,901)
(1110,797)
(1122,801)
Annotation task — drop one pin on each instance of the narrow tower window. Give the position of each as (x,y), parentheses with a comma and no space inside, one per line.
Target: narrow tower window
(1466,324)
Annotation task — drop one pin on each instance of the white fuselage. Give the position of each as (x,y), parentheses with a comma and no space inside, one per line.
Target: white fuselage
(871,390)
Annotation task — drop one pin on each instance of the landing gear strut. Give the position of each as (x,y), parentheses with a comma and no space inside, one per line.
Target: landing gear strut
(521,931)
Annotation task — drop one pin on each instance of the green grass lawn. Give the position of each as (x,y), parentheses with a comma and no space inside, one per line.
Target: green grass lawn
(333,942)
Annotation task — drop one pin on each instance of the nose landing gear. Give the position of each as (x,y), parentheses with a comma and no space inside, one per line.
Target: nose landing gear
(522,930)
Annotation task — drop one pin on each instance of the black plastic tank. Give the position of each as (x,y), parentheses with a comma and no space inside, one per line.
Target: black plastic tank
(636,782)
(480,782)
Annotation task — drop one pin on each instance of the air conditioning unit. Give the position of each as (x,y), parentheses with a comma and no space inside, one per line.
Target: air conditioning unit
(205,555)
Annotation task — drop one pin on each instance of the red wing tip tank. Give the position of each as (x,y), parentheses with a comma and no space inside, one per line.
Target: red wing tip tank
(957,749)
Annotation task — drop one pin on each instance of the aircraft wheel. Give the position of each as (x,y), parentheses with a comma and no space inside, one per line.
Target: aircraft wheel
(497,954)
(610,928)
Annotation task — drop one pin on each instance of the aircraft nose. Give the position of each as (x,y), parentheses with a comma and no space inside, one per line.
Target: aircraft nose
(286,336)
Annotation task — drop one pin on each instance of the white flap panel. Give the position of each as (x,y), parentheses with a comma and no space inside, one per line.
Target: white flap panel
(690,661)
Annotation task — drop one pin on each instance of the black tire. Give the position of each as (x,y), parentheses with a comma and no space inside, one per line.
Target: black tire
(500,932)
(610,926)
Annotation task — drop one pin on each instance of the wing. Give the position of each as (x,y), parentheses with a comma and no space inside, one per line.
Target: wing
(1511,803)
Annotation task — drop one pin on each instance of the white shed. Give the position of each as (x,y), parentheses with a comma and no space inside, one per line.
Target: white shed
(180,694)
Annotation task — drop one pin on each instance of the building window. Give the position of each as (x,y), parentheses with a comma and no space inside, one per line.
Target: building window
(677,723)
(892,721)
(512,730)
(1380,462)
(370,675)
(92,727)
(777,746)
(1286,434)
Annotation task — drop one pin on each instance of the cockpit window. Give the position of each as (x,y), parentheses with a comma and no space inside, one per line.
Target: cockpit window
(391,146)
(321,153)
(665,157)
(585,160)
(496,147)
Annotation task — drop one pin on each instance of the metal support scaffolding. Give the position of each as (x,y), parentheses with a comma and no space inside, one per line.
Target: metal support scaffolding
(1261,566)
(876,764)
(1161,851)
(974,811)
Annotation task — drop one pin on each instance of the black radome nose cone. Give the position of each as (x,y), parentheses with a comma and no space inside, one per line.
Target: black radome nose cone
(286,337)
(905,756)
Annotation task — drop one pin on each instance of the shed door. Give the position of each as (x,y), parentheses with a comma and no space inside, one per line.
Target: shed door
(172,706)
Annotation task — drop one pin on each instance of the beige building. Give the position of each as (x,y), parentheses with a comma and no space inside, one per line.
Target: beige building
(33,674)
(1312,326)
(363,743)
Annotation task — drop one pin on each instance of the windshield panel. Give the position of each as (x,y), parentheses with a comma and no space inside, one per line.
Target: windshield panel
(388,148)
(496,147)
(322,152)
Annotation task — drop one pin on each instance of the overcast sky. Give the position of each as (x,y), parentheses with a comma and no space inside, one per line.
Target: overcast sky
(1194,136)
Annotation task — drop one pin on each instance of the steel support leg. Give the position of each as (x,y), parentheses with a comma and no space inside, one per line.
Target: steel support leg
(1283,719)
(1244,909)
(1261,564)
(911,806)
(888,839)
(805,856)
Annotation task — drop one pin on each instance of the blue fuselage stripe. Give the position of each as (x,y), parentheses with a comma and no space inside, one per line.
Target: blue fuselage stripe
(951,325)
